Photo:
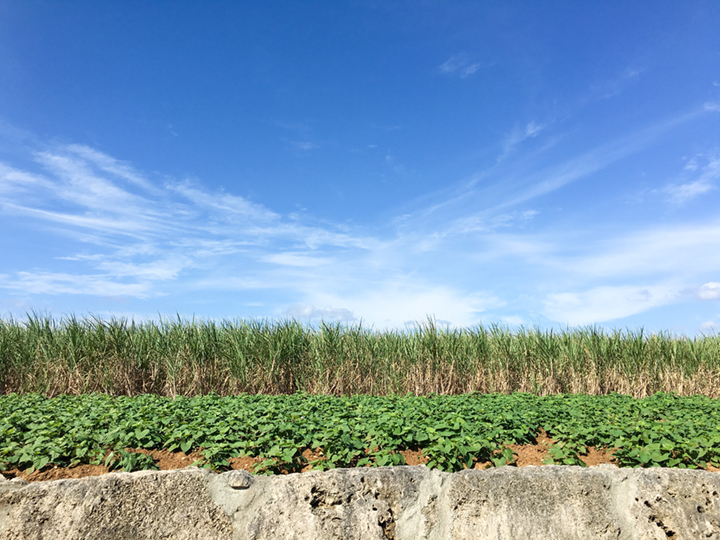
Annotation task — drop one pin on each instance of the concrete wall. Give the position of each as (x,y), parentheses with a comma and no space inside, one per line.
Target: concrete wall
(402,503)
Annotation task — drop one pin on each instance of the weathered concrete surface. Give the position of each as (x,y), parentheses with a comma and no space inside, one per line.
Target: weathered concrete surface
(401,503)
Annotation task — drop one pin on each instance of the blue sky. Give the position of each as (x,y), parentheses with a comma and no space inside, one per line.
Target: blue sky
(546,164)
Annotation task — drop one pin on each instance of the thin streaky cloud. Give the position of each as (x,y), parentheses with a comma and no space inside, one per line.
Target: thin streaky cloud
(80,184)
(305,145)
(613,87)
(684,192)
(110,209)
(469,70)
(452,64)
(296,259)
(691,165)
(13,180)
(459,64)
(111,165)
(156,234)
(455,213)
(663,249)
(595,160)
(607,303)
(185,237)
(54,283)
(709,174)
(227,204)
(518,135)
(99,224)
(159,270)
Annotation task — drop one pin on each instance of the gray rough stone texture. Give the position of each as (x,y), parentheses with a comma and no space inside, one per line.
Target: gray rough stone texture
(238,479)
(400,503)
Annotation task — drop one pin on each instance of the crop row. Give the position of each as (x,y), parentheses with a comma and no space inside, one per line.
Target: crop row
(187,358)
(453,431)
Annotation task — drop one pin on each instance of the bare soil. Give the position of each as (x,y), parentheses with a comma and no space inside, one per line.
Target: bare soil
(527,454)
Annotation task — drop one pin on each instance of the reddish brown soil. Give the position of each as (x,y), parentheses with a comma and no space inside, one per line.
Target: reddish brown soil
(527,454)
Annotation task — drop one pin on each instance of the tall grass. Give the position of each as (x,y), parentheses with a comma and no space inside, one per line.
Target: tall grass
(178,357)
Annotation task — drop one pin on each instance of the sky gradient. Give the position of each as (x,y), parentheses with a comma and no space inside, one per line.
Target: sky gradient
(549,164)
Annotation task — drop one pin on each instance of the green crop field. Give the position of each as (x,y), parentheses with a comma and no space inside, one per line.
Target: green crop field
(453,431)
(85,391)
(187,358)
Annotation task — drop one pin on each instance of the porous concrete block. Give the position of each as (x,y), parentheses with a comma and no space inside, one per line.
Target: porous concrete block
(399,503)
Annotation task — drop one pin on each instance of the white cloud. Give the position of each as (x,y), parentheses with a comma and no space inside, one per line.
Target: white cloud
(614,87)
(709,173)
(459,64)
(225,205)
(710,327)
(61,283)
(305,145)
(110,165)
(710,291)
(481,223)
(398,168)
(513,320)
(391,303)
(664,249)
(518,135)
(555,177)
(469,70)
(452,64)
(159,270)
(309,312)
(296,259)
(446,260)
(120,225)
(602,304)
(713,107)
(684,192)
(691,165)
(144,234)
(80,186)
(13,181)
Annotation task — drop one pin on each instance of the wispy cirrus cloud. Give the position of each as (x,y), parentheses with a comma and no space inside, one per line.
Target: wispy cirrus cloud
(460,65)
(684,192)
(606,303)
(111,165)
(681,192)
(613,87)
(305,145)
(569,170)
(661,249)
(296,259)
(518,135)
(145,232)
(655,261)
(487,250)
(54,283)
(142,239)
